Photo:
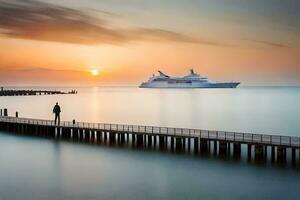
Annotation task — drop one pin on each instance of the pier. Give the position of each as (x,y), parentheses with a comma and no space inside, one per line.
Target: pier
(258,147)
(4,92)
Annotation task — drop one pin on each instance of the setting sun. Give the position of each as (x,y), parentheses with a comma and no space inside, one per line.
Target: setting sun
(95,72)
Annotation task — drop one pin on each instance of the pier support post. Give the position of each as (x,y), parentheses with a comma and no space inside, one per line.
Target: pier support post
(196,145)
(122,136)
(178,143)
(5,113)
(161,141)
(105,135)
(229,148)
(203,145)
(215,147)
(140,140)
(93,135)
(133,138)
(293,156)
(223,148)
(112,137)
(273,154)
(87,135)
(75,135)
(281,154)
(149,138)
(172,143)
(236,150)
(189,144)
(259,153)
(249,151)
(98,135)
(81,134)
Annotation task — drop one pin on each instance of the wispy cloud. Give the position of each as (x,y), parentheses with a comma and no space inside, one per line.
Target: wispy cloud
(34,20)
(271,44)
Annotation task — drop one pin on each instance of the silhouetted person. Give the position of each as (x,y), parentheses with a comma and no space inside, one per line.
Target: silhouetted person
(56,111)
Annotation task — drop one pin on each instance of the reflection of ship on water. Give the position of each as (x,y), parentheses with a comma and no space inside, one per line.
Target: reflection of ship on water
(192,80)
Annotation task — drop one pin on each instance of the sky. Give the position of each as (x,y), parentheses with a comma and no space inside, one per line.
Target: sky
(60,42)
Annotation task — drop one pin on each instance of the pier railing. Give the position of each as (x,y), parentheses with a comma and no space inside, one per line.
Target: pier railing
(288,141)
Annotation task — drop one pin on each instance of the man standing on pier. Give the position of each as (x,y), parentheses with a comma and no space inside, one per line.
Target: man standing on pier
(56,111)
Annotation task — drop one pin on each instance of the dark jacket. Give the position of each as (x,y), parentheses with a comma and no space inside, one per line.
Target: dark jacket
(56,109)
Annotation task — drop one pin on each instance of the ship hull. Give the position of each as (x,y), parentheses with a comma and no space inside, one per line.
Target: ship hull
(189,85)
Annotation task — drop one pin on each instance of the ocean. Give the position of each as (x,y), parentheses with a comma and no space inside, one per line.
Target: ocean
(36,168)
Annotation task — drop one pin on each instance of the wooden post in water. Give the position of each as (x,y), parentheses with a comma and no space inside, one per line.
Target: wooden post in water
(196,145)
(223,148)
(203,145)
(293,156)
(178,143)
(189,144)
(161,142)
(5,112)
(215,148)
(249,151)
(236,150)
(149,140)
(281,154)
(172,143)
(140,140)
(259,153)
(273,154)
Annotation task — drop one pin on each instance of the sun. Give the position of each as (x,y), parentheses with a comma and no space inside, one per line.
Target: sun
(95,72)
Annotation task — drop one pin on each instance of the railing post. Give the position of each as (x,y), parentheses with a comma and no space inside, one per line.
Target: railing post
(261,139)
(280,139)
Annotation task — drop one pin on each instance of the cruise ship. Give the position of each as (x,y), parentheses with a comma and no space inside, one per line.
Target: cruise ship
(192,80)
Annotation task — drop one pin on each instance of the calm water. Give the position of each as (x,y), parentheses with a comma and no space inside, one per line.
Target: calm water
(34,168)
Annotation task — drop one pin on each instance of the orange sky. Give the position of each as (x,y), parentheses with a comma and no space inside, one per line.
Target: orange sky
(61,51)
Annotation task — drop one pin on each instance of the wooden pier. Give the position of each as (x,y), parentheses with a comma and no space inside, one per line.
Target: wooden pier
(257,147)
(4,92)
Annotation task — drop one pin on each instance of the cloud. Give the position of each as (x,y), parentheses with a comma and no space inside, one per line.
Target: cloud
(271,44)
(41,21)
(161,34)
(34,20)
